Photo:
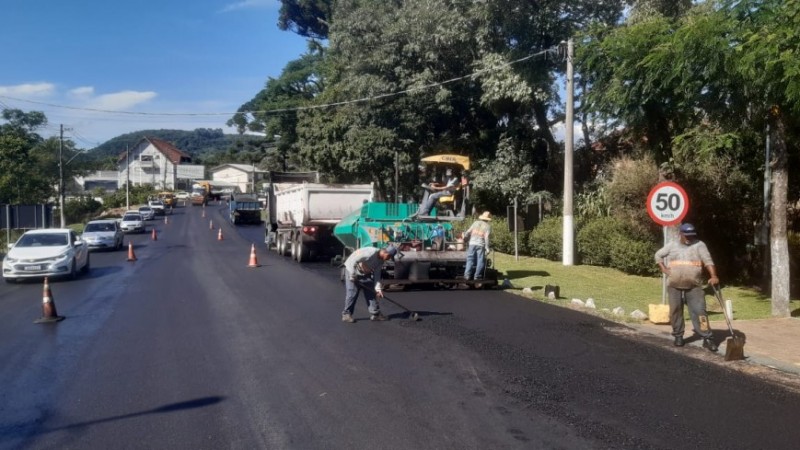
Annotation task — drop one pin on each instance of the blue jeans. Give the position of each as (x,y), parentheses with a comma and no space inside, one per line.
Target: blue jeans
(430,202)
(476,258)
(351,294)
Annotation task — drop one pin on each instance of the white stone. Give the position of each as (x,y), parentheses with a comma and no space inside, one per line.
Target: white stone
(639,315)
(527,291)
(590,303)
(577,302)
(551,295)
(618,311)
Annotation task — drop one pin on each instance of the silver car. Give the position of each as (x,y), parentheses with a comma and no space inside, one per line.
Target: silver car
(147,213)
(46,253)
(103,234)
(132,222)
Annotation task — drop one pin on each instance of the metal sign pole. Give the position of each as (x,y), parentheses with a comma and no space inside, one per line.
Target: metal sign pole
(663,275)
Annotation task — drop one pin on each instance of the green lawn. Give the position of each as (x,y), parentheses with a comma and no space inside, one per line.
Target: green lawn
(611,288)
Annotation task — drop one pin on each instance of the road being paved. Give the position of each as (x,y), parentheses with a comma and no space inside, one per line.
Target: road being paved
(187,348)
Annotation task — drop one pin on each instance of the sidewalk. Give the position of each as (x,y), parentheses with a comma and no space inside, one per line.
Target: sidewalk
(769,342)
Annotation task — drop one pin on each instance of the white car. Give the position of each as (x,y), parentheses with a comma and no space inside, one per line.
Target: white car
(132,222)
(46,253)
(99,234)
(182,195)
(157,206)
(147,213)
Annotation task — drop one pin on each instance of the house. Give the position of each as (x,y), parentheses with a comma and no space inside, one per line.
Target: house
(158,163)
(106,180)
(245,176)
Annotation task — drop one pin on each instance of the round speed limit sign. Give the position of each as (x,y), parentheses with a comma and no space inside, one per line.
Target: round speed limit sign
(667,203)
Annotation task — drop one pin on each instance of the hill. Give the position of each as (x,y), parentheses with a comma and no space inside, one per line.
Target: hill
(203,144)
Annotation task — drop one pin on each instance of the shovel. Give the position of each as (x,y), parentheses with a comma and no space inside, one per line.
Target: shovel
(411,314)
(734,346)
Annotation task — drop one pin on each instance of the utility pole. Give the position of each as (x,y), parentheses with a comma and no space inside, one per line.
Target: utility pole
(569,228)
(396,176)
(61,177)
(127,178)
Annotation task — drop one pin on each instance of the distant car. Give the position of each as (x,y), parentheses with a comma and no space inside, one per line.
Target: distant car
(147,213)
(182,195)
(158,207)
(46,253)
(132,222)
(103,234)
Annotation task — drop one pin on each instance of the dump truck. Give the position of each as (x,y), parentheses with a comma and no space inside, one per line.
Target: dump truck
(302,213)
(244,209)
(204,191)
(430,250)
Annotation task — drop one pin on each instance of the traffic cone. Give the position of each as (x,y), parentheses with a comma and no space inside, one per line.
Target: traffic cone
(49,313)
(204,212)
(166,220)
(131,255)
(253,260)
(219,235)
(153,235)
(210,224)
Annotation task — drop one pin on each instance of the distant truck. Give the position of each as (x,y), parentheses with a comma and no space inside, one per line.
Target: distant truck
(244,209)
(302,213)
(204,191)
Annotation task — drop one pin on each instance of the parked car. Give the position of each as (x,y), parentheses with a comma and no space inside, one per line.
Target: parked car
(99,234)
(147,213)
(132,222)
(46,253)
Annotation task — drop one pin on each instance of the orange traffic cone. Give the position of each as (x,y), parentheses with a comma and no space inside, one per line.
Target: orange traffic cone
(210,224)
(253,260)
(49,313)
(153,235)
(219,235)
(131,255)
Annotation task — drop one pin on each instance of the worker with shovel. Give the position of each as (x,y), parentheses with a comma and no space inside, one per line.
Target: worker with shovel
(685,260)
(363,273)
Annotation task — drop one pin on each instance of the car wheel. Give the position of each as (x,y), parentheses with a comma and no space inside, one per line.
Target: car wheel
(88,265)
(73,271)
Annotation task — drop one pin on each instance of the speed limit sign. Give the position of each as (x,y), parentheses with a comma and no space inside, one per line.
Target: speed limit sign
(667,203)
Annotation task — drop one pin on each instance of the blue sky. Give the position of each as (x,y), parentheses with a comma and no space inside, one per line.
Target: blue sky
(147,56)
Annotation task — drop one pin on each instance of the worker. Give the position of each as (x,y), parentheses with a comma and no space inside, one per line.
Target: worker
(685,260)
(363,273)
(477,237)
(451,184)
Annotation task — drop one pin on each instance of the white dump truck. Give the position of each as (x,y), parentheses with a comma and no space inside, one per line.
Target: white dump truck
(302,213)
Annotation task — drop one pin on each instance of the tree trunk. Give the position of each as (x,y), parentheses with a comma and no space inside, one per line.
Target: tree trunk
(779,246)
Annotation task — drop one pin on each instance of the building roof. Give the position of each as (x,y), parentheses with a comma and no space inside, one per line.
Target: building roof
(172,153)
(248,168)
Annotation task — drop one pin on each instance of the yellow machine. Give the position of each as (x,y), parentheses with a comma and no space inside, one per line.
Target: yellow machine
(435,166)
(168,198)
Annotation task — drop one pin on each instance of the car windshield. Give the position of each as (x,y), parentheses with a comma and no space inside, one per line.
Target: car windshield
(145,208)
(132,217)
(94,227)
(43,240)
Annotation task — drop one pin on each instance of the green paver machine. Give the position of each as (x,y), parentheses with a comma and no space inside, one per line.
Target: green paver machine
(430,252)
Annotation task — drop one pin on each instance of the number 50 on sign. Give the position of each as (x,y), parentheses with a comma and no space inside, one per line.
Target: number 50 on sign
(667,203)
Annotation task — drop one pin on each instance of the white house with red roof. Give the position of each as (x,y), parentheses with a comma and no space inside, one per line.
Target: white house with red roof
(158,163)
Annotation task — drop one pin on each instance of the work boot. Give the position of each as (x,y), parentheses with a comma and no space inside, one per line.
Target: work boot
(347,318)
(378,317)
(678,341)
(709,344)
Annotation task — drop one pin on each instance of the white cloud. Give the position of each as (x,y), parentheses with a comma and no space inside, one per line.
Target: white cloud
(249,4)
(120,101)
(28,90)
(82,92)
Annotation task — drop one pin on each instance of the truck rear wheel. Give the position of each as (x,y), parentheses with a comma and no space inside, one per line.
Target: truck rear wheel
(302,251)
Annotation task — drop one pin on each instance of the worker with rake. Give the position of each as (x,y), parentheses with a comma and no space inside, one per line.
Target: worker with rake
(685,260)
(363,273)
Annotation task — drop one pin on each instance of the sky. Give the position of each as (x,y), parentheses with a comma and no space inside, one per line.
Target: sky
(178,64)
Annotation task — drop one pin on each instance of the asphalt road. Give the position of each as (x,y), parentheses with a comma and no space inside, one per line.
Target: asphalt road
(188,348)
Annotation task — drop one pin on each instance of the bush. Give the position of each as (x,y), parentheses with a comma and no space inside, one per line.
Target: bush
(596,238)
(545,241)
(502,240)
(81,210)
(633,257)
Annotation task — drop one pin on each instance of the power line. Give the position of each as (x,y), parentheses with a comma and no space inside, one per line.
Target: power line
(299,108)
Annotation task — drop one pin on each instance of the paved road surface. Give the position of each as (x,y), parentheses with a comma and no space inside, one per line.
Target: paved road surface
(188,348)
